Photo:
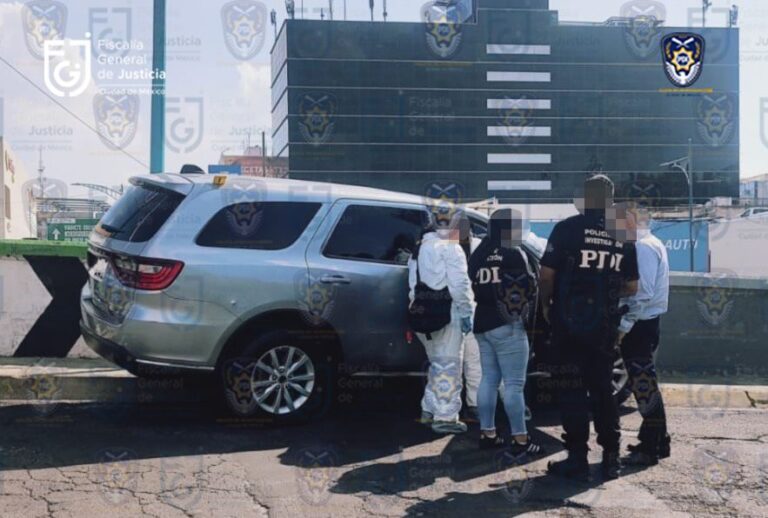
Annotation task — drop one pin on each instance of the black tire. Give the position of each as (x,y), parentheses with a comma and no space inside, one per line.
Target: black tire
(243,379)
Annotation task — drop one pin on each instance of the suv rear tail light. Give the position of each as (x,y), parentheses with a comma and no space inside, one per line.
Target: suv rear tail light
(146,274)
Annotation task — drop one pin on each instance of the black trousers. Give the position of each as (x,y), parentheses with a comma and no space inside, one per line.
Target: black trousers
(585,372)
(638,349)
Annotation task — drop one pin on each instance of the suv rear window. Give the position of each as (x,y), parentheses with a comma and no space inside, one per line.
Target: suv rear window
(258,226)
(381,234)
(140,212)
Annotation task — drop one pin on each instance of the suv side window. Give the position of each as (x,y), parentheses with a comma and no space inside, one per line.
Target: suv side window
(258,226)
(380,234)
(478,227)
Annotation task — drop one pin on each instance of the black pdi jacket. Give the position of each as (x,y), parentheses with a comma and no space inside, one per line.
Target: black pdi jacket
(502,280)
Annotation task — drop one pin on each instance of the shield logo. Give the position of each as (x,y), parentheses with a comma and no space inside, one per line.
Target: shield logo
(512,296)
(66,67)
(316,471)
(645,192)
(644,385)
(185,123)
(683,54)
(317,113)
(442,199)
(243,23)
(443,393)
(244,210)
(43,20)
(642,34)
(315,299)
(238,377)
(111,30)
(42,385)
(517,484)
(443,28)
(117,471)
(516,121)
(116,118)
(716,300)
(716,120)
(719,469)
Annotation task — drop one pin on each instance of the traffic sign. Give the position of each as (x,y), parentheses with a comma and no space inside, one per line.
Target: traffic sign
(70,229)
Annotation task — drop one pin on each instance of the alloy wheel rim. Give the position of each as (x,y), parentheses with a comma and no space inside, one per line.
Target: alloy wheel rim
(620,376)
(282,380)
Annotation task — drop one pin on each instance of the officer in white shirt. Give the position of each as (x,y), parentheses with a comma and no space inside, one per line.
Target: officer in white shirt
(639,337)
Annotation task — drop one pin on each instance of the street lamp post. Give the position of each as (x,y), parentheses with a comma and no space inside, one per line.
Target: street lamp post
(157,115)
(689,177)
(685,166)
(705,5)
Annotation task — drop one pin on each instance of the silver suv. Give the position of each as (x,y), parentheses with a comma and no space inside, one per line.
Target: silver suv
(274,286)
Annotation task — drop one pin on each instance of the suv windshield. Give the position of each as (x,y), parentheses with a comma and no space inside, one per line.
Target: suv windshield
(140,213)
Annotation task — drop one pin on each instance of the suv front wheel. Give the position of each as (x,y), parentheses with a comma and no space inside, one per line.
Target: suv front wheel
(280,376)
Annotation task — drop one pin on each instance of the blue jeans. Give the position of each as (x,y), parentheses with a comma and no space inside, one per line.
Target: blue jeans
(503,356)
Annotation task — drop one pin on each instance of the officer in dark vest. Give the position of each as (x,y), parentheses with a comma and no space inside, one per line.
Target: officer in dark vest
(585,270)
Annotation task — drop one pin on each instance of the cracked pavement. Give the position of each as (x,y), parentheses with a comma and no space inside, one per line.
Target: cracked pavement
(369,457)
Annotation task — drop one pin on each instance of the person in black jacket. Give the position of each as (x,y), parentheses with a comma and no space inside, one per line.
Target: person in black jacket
(504,287)
(585,270)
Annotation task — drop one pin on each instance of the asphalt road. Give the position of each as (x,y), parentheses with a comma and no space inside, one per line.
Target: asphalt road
(367,457)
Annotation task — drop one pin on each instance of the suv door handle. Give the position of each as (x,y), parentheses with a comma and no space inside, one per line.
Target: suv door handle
(335,279)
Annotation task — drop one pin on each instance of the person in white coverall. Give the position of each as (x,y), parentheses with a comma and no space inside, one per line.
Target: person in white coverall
(473,372)
(441,263)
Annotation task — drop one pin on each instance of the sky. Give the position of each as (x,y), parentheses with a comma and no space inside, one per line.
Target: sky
(230,94)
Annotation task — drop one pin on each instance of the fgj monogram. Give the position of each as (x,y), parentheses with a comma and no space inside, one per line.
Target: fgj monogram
(185,123)
(67,66)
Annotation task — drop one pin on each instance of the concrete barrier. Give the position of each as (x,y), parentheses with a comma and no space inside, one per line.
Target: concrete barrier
(39,309)
(717,323)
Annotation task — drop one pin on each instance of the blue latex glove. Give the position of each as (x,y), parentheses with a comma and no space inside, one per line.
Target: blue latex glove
(466,325)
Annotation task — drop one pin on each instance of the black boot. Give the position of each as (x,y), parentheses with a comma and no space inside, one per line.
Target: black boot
(640,457)
(574,467)
(660,451)
(611,466)
(664,446)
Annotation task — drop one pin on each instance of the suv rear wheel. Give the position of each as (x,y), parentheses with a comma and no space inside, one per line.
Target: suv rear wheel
(279,376)
(620,382)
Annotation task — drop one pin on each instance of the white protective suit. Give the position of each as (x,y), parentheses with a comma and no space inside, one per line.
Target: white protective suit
(442,263)
(473,371)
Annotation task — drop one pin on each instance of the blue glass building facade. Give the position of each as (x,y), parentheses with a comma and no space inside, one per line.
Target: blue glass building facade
(512,103)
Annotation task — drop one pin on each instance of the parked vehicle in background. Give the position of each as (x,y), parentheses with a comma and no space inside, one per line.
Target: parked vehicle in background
(268,285)
(755,212)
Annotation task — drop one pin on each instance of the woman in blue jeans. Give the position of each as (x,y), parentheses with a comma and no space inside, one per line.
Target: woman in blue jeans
(504,287)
